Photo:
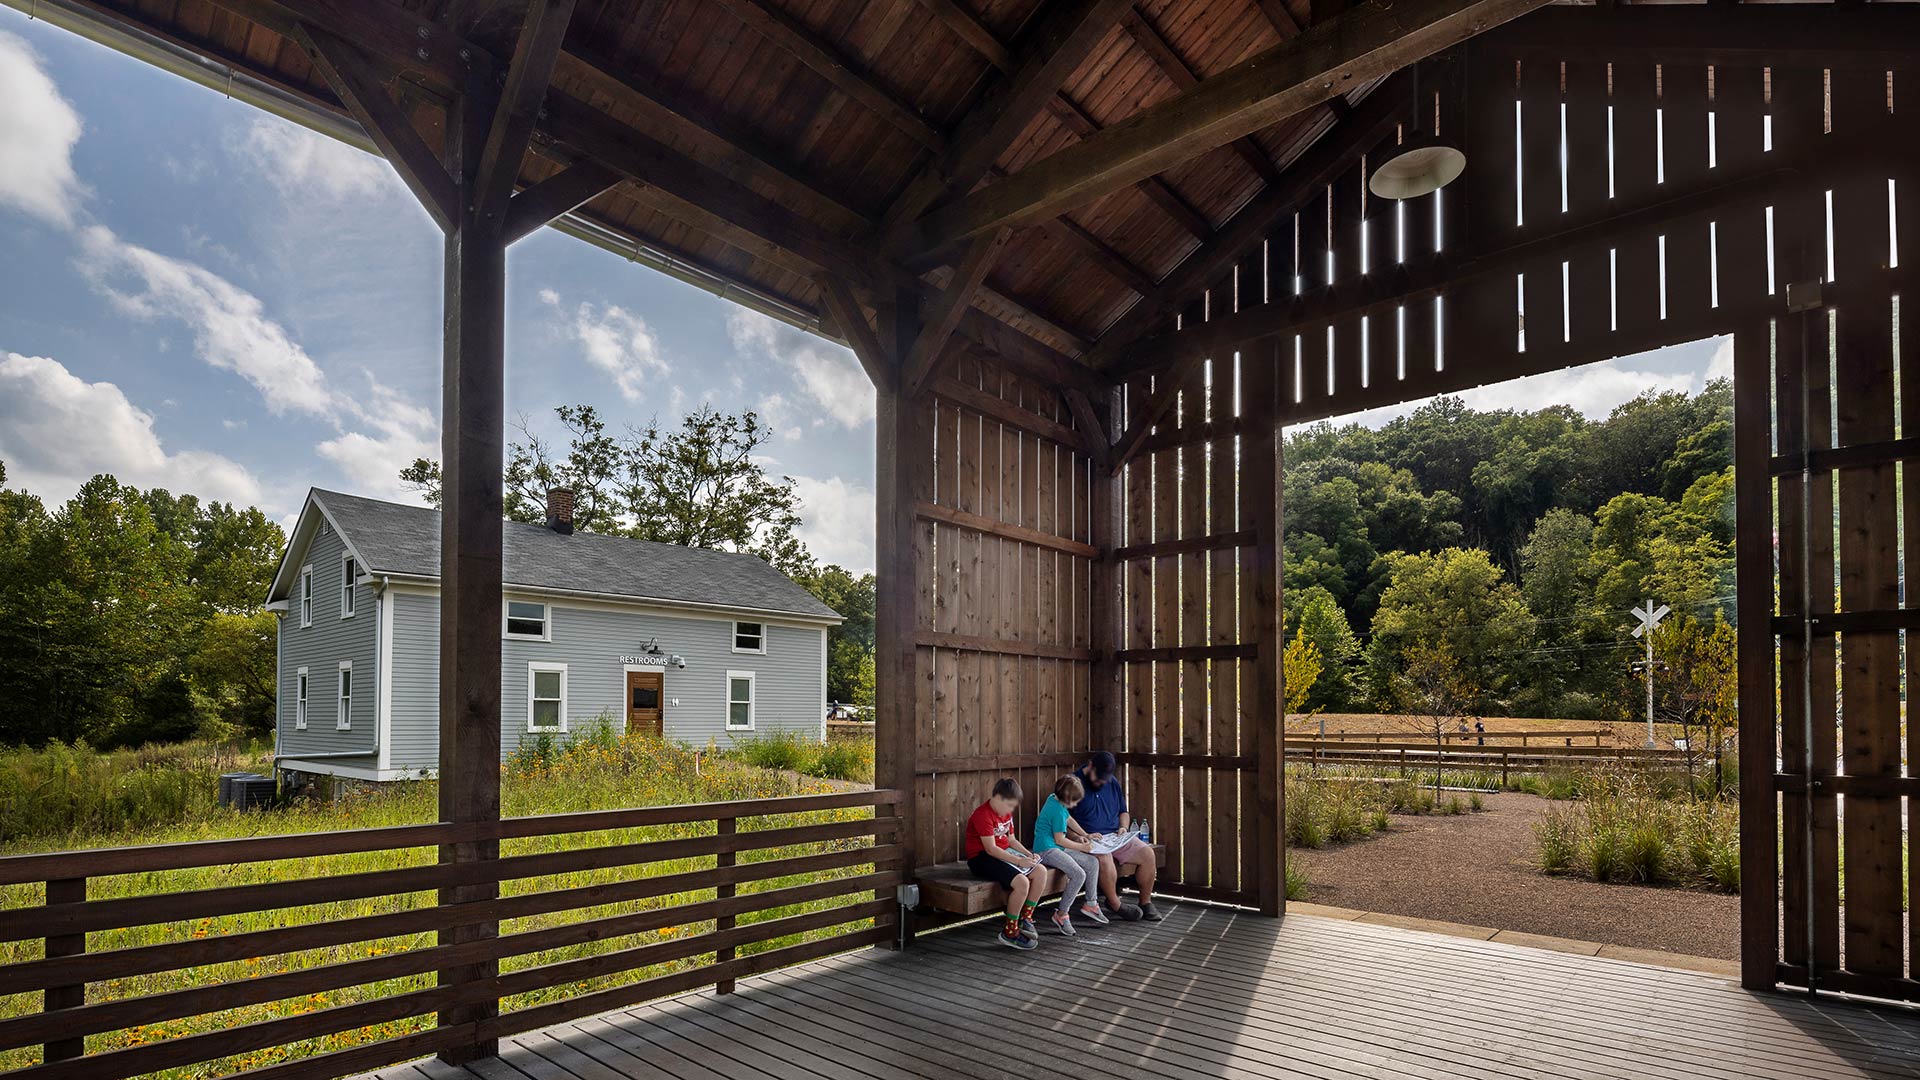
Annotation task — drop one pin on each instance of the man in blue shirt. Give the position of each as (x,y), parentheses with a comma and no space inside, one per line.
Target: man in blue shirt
(1103,811)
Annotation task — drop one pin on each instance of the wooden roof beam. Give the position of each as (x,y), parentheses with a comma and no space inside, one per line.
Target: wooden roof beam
(861,337)
(1158,191)
(360,86)
(529,74)
(948,307)
(556,196)
(1166,391)
(971,30)
(844,73)
(1372,121)
(1176,70)
(1065,35)
(1371,40)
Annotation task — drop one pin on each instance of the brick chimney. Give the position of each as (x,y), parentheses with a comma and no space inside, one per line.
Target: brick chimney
(560,510)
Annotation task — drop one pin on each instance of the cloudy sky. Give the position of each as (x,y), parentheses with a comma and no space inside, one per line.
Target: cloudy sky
(200,296)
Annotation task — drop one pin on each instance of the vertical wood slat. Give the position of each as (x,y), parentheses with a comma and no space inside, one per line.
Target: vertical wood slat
(947,670)
(1223,615)
(1868,554)
(65,891)
(1589,164)
(1540,199)
(907,458)
(1683,110)
(1195,826)
(1480,317)
(1798,108)
(1107,608)
(1788,344)
(1264,859)
(1166,673)
(723,827)
(1753,574)
(1140,607)
(1346,210)
(1381,352)
(1738,112)
(1635,172)
(1907,347)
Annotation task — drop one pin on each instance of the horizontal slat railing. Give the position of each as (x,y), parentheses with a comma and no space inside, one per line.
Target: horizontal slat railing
(802,891)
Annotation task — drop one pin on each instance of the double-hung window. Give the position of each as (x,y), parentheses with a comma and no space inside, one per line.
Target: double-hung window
(749,637)
(345,716)
(300,700)
(546,697)
(739,700)
(306,596)
(527,620)
(349,571)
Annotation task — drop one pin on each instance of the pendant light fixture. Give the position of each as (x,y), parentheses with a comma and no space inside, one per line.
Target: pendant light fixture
(1424,162)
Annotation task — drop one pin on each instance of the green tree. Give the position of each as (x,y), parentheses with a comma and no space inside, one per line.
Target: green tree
(1314,613)
(1696,688)
(1457,601)
(1300,669)
(850,671)
(231,674)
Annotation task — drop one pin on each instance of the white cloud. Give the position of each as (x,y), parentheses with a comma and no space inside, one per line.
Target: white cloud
(837,521)
(402,431)
(43,406)
(304,163)
(229,324)
(1721,366)
(38,130)
(619,343)
(1594,390)
(827,373)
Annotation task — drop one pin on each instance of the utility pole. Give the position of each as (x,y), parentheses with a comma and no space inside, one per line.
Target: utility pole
(1649,618)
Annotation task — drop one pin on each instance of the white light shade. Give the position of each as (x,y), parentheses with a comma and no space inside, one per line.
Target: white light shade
(1423,165)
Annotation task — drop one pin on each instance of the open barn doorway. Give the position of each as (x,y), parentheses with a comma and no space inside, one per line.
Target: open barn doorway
(1474,735)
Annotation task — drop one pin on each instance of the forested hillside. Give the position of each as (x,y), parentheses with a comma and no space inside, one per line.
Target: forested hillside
(1510,545)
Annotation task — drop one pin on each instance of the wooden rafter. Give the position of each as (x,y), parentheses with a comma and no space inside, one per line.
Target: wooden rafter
(528,75)
(555,196)
(948,307)
(860,335)
(1170,63)
(1370,122)
(846,74)
(1066,34)
(721,145)
(1158,192)
(360,87)
(1092,430)
(1373,39)
(968,28)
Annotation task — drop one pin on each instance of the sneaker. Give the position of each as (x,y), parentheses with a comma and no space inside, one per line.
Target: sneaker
(1027,929)
(1125,912)
(1147,913)
(1017,941)
(1093,912)
(1063,922)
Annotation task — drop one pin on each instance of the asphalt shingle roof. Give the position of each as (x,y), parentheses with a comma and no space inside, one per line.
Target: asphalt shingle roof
(398,539)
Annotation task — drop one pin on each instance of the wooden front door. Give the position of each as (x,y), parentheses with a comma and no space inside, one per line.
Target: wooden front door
(643,702)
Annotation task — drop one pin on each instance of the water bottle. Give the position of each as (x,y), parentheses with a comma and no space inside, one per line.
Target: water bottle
(1146,837)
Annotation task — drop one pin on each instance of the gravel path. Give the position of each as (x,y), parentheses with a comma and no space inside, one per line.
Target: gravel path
(1478,869)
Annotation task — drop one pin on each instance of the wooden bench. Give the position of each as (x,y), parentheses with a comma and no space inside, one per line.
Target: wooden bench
(952,888)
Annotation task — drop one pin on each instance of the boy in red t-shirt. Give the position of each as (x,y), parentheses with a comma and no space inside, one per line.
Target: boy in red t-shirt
(994,853)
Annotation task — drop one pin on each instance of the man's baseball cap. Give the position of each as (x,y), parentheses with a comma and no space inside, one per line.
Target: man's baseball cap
(1102,763)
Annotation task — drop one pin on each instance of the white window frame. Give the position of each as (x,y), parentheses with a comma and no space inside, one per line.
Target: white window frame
(737,624)
(343,698)
(546,621)
(306,595)
(753,699)
(540,665)
(300,679)
(348,572)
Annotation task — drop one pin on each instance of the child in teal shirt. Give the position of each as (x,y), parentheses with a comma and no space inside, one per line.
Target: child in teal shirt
(1058,850)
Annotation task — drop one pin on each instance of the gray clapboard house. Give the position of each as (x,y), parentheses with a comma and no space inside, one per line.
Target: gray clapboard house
(692,644)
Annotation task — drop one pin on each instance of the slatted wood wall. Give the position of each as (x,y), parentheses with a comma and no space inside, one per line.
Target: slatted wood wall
(1003,639)
(1615,204)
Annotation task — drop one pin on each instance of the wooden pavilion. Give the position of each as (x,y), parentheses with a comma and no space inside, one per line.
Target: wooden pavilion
(1094,255)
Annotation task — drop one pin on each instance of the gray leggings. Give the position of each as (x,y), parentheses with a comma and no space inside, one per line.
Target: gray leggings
(1081,870)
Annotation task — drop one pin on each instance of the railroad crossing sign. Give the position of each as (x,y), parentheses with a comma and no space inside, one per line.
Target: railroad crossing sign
(1649,617)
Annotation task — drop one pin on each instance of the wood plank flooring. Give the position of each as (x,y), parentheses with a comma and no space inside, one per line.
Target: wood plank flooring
(1213,992)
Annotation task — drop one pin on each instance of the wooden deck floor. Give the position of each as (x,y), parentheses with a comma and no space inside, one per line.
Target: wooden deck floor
(1215,993)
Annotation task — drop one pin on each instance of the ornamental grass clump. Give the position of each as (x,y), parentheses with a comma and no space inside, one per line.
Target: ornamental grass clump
(1626,828)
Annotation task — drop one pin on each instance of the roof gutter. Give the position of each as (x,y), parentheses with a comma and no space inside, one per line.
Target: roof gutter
(74,17)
